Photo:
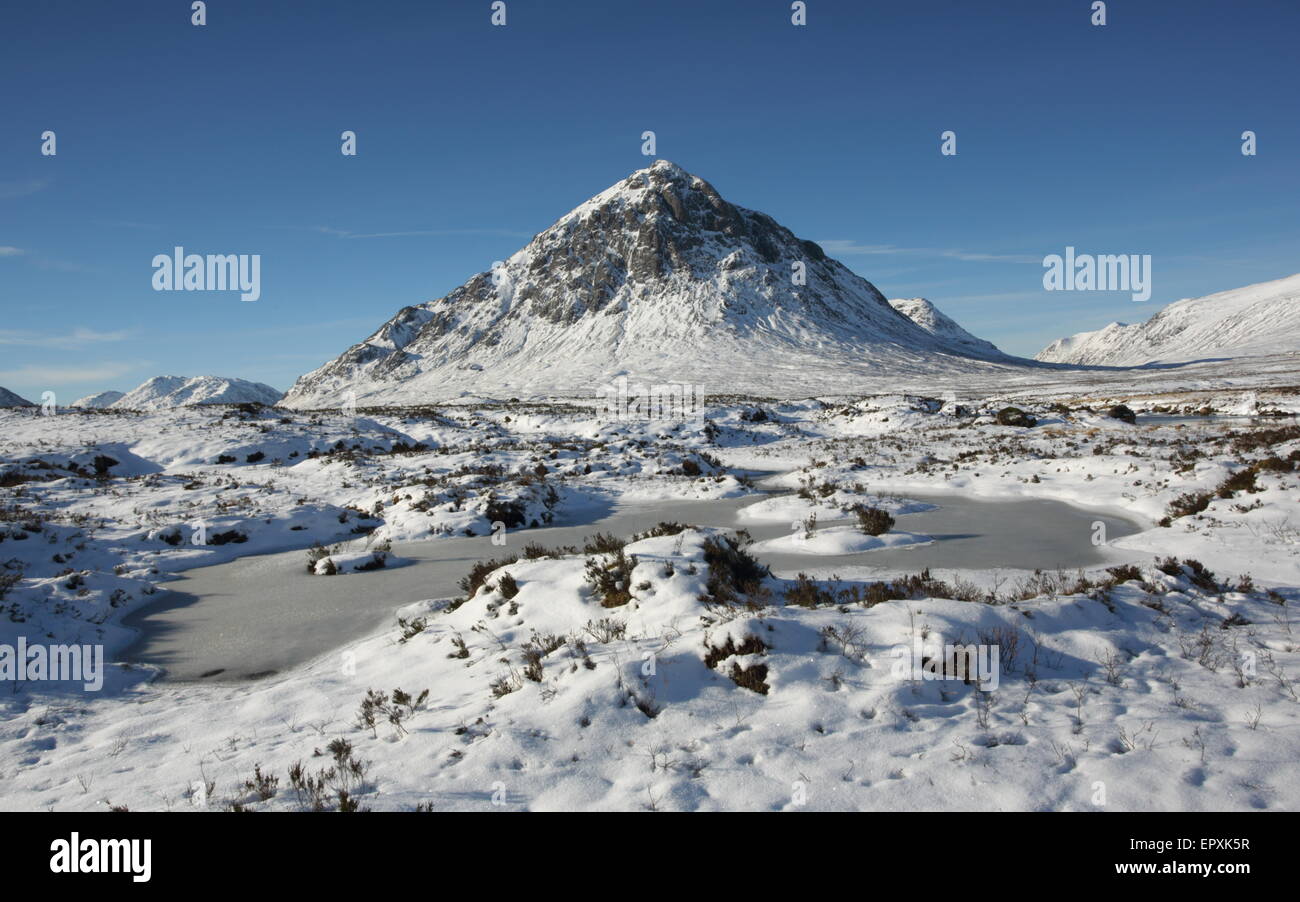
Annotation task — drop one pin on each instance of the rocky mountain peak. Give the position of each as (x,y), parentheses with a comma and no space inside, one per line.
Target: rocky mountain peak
(656,276)
(658,224)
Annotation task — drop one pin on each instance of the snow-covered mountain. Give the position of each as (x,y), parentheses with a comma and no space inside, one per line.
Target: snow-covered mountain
(98,400)
(659,279)
(9,399)
(179,391)
(943,327)
(1254,321)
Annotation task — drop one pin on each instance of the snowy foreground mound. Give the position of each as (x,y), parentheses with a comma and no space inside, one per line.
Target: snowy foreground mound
(667,670)
(1254,321)
(540,698)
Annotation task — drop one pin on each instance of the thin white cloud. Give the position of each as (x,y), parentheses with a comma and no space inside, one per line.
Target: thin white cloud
(344,233)
(42,262)
(22,188)
(77,338)
(61,265)
(64,375)
(1002,296)
(129,224)
(844,248)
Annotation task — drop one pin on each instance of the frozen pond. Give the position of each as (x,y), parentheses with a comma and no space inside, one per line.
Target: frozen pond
(969,534)
(259,615)
(1224,420)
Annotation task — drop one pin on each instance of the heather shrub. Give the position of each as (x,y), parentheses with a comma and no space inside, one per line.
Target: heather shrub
(872,520)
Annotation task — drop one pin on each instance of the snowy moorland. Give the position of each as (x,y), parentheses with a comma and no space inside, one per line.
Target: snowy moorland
(573,667)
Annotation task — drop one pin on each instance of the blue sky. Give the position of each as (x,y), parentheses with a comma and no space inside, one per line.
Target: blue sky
(471,138)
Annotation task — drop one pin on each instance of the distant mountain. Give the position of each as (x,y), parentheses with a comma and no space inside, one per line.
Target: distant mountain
(661,280)
(98,400)
(9,399)
(944,328)
(181,391)
(1253,321)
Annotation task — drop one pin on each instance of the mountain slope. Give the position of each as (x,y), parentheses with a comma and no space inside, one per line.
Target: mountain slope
(9,399)
(658,279)
(179,391)
(1254,321)
(98,400)
(944,328)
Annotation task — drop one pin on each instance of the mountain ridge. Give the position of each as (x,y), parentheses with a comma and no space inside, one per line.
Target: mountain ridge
(933,320)
(656,278)
(1252,321)
(98,400)
(183,391)
(10,399)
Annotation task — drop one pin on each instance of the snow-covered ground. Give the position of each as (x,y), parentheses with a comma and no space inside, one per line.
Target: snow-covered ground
(669,671)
